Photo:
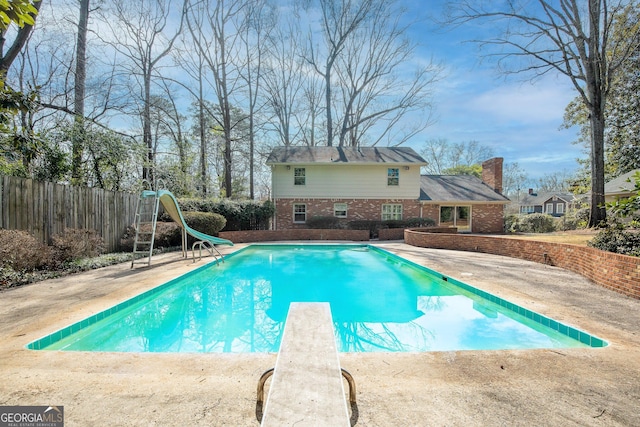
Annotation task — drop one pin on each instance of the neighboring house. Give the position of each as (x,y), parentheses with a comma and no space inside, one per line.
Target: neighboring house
(620,187)
(371,183)
(554,204)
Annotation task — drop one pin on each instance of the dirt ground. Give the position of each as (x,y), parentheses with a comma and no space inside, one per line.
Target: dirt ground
(560,387)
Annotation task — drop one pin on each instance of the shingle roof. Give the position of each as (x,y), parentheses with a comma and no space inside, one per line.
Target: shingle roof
(622,184)
(333,155)
(539,199)
(457,188)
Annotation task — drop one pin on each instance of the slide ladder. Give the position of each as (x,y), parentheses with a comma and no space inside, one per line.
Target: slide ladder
(145,224)
(147,217)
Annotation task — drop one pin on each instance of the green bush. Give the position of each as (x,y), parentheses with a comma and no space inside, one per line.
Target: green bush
(374,226)
(21,252)
(205,222)
(618,240)
(531,223)
(324,222)
(240,214)
(512,223)
(408,223)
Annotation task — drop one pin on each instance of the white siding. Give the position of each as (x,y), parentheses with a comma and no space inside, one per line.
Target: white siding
(346,181)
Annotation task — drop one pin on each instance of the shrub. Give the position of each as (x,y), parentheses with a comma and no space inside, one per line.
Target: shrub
(374,226)
(363,224)
(409,223)
(20,251)
(531,223)
(74,244)
(617,240)
(240,214)
(512,223)
(324,222)
(205,222)
(168,234)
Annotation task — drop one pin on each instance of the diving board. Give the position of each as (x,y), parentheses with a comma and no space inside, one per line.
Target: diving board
(307,386)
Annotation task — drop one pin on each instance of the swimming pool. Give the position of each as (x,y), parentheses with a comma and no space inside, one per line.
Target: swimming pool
(379,302)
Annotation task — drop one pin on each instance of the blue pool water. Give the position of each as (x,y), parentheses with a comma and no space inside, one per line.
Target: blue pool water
(379,302)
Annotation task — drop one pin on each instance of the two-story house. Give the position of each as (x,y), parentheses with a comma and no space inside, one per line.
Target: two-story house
(370,183)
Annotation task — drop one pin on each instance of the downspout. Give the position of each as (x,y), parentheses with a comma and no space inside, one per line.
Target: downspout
(273,198)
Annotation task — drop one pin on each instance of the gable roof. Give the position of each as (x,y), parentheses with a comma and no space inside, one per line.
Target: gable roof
(540,199)
(457,189)
(344,155)
(622,184)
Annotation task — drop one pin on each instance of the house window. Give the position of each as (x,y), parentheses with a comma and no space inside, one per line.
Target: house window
(560,208)
(391,212)
(528,209)
(299,213)
(548,208)
(340,210)
(299,176)
(393,176)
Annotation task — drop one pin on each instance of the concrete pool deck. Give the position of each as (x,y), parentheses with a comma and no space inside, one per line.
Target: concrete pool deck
(559,387)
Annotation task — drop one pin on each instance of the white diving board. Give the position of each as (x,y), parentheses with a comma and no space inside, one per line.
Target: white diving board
(307,386)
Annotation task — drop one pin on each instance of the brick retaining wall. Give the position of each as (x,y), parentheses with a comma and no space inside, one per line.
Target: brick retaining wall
(249,236)
(620,273)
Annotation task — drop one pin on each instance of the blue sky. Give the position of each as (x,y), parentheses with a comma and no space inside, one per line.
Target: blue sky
(519,119)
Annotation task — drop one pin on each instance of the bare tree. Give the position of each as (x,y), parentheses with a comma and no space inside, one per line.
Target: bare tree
(363,48)
(143,34)
(284,78)
(219,22)
(571,37)
(441,155)
(339,20)
(375,95)
(254,34)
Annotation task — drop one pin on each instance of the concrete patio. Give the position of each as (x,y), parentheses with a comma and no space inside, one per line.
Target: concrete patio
(560,387)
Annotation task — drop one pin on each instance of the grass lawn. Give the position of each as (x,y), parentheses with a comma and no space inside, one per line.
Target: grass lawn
(574,237)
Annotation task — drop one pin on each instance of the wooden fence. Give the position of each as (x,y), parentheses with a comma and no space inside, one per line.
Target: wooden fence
(45,209)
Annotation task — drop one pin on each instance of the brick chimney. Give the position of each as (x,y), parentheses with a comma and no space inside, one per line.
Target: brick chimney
(492,173)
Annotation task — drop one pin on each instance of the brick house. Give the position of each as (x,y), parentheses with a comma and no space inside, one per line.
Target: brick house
(370,183)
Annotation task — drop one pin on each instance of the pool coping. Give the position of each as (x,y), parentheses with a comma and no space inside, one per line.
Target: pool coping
(582,386)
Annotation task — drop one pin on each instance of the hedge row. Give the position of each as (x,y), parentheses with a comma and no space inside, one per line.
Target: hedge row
(240,214)
(330,222)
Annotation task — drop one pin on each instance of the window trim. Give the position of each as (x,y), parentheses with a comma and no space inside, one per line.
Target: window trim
(295,205)
(336,210)
(548,208)
(299,176)
(560,208)
(393,177)
(393,214)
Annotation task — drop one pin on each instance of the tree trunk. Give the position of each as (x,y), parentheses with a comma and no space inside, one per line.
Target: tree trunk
(77,143)
(147,169)
(596,81)
(598,211)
